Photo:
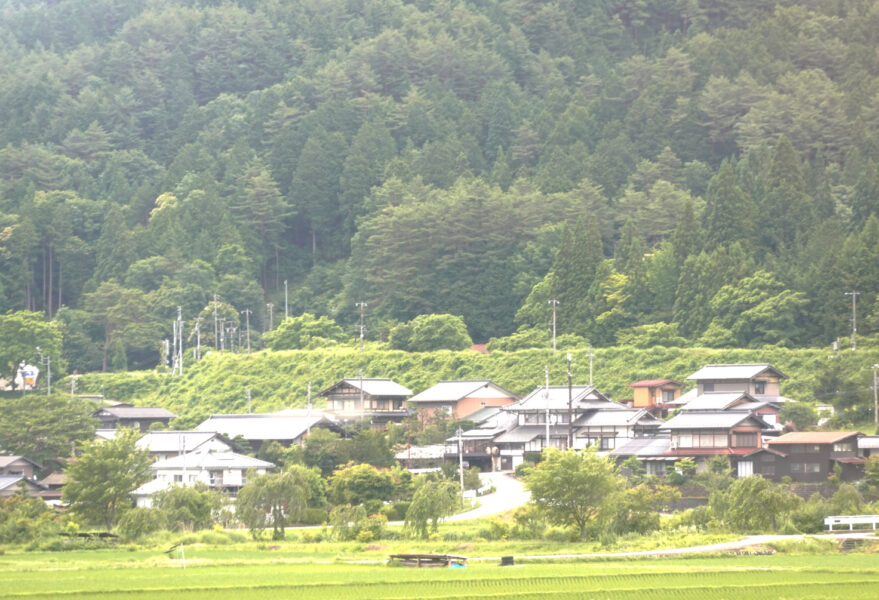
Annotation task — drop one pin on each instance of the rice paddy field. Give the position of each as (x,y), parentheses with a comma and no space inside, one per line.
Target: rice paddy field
(228,573)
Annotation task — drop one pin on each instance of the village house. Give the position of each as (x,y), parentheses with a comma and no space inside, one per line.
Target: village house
(18,466)
(223,471)
(458,399)
(655,395)
(288,428)
(810,456)
(548,415)
(380,401)
(134,417)
(12,484)
(759,380)
(168,444)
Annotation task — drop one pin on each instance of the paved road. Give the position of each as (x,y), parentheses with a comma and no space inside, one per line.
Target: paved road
(509,494)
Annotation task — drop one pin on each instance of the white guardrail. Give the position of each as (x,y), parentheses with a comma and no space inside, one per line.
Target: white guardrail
(851,520)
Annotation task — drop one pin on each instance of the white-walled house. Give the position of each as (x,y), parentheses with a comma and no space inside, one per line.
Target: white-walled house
(168,444)
(225,471)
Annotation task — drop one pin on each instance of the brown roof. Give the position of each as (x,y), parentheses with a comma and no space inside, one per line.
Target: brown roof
(653,382)
(813,437)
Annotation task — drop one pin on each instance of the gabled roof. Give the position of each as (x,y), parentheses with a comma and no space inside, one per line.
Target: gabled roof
(654,382)
(616,418)
(718,401)
(526,433)
(711,420)
(480,433)
(813,437)
(557,398)
(5,461)
(135,412)
(371,387)
(734,372)
(483,414)
(452,391)
(212,460)
(266,426)
(644,446)
(178,441)
(11,481)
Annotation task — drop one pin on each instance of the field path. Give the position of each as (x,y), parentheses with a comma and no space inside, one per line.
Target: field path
(746,542)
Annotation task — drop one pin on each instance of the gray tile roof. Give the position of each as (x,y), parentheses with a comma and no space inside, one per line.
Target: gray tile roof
(137,412)
(711,420)
(644,446)
(452,391)
(260,426)
(212,460)
(526,433)
(734,372)
(716,400)
(174,441)
(616,418)
(584,396)
(378,387)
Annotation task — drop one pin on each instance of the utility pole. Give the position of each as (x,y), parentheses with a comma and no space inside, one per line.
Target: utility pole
(286,310)
(875,396)
(570,405)
(362,306)
(590,365)
(554,303)
(246,312)
(854,294)
(46,360)
(270,306)
(197,353)
(546,397)
(249,398)
(216,332)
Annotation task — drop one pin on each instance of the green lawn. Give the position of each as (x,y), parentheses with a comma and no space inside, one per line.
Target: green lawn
(244,573)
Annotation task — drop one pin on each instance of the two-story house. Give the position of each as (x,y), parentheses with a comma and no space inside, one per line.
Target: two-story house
(379,400)
(759,380)
(655,395)
(224,471)
(549,415)
(168,444)
(18,466)
(134,417)
(458,399)
(810,456)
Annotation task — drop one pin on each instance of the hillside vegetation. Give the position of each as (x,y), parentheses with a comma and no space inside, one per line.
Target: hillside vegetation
(279,380)
(708,169)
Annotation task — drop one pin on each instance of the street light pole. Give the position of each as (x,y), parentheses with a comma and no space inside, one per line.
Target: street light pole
(286,310)
(460,434)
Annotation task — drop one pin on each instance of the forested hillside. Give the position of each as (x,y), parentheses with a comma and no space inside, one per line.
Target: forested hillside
(676,171)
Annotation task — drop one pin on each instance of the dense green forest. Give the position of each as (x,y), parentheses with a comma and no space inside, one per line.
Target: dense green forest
(682,171)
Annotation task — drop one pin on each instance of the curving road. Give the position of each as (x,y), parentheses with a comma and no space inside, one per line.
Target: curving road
(509,494)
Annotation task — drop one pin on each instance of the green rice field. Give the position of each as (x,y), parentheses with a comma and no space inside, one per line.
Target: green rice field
(112,574)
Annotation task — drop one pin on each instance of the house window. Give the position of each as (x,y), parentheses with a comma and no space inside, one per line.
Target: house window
(668,396)
(178,479)
(808,467)
(759,387)
(216,478)
(767,469)
(685,440)
(707,387)
(843,447)
(745,440)
(530,419)
(607,443)
(810,448)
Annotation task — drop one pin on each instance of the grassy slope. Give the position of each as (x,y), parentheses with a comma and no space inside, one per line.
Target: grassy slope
(279,379)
